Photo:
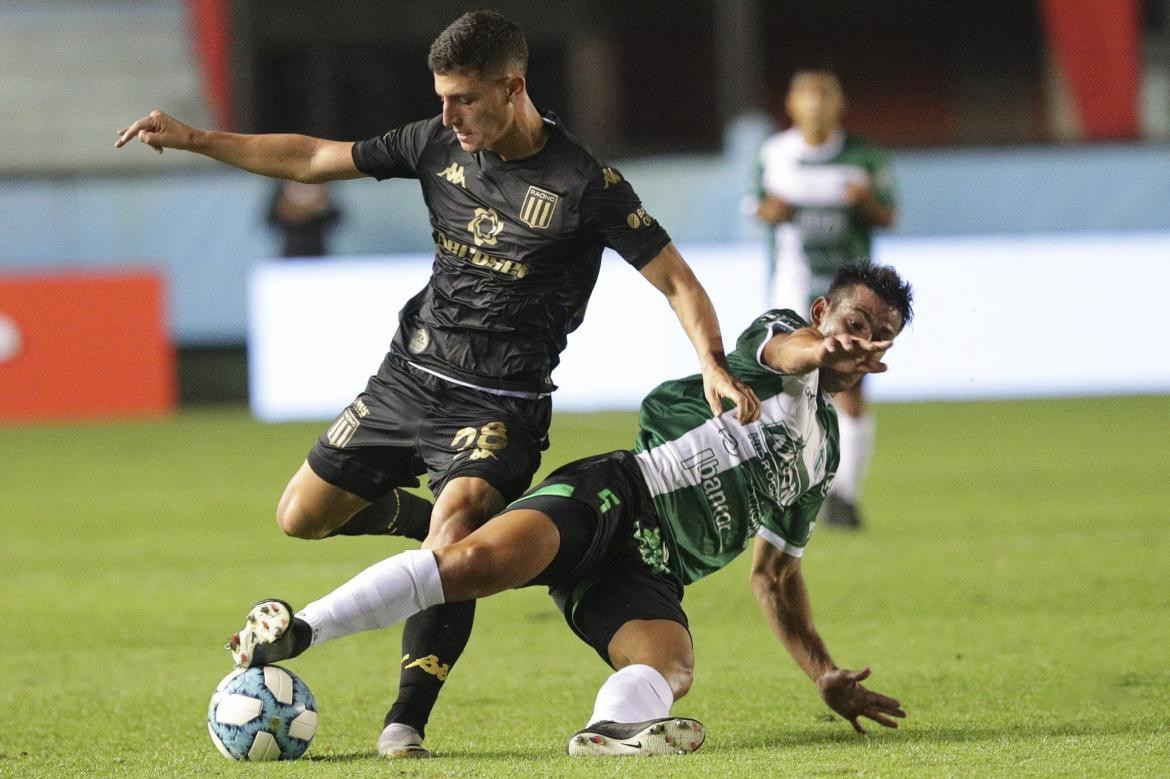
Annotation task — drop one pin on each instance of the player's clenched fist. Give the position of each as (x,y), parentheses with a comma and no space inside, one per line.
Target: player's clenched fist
(158,131)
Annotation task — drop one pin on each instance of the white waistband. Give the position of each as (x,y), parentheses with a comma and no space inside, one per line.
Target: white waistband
(490,390)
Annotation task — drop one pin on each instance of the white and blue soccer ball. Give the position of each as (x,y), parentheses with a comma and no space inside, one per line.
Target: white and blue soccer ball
(263,713)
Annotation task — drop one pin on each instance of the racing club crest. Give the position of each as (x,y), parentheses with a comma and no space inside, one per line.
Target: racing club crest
(537,209)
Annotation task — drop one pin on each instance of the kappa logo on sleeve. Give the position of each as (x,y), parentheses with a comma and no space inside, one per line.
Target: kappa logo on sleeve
(454,174)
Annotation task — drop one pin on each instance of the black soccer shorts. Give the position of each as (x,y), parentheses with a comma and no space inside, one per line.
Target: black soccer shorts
(599,579)
(408,422)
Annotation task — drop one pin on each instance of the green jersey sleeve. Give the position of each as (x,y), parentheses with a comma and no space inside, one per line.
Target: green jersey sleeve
(747,359)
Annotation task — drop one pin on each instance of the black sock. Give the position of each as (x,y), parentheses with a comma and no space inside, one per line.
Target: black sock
(400,513)
(432,641)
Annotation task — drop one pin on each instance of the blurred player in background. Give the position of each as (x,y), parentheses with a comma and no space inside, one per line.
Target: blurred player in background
(303,214)
(521,212)
(823,191)
(616,537)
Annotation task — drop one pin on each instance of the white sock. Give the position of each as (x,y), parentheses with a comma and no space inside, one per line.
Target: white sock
(636,693)
(857,434)
(383,594)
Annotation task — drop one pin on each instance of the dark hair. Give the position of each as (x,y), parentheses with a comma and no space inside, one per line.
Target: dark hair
(882,279)
(480,41)
(810,67)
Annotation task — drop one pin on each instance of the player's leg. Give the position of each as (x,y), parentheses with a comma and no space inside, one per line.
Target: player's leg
(544,538)
(857,430)
(507,552)
(312,508)
(632,616)
(350,484)
(662,645)
(481,451)
(434,639)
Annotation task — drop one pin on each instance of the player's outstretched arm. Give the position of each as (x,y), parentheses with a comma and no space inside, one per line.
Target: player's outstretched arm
(806,350)
(284,156)
(778,585)
(671,275)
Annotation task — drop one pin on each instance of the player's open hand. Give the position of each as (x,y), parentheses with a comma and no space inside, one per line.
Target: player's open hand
(719,383)
(773,210)
(841,690)
(850,354)
(158,131)
(857,192)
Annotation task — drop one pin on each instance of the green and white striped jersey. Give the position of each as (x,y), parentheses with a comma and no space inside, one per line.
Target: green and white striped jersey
(717,483)
(824,231)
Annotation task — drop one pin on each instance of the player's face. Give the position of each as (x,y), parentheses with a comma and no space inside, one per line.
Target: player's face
(816,103)
(479,111)
(859,312)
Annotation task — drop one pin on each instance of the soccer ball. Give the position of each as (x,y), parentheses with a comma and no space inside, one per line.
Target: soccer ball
(263,713)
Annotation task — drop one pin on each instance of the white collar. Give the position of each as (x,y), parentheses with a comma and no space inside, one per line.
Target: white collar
(820,153)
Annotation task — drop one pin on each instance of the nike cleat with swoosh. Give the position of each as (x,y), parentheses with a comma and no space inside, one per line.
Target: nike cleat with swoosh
(669,736)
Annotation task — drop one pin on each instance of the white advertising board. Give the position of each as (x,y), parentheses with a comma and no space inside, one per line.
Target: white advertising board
(995,317)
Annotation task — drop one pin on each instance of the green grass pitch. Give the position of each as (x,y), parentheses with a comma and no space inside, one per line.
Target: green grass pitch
(1010,587)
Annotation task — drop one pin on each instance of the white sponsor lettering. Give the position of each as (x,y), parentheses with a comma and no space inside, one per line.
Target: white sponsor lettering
(706,465)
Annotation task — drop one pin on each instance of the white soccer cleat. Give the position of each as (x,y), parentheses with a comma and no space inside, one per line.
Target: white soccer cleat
(265,638)
(399,740)
(669,736)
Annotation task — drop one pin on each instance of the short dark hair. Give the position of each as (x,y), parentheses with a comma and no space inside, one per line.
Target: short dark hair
(882,279)
(816,66)
(480,41)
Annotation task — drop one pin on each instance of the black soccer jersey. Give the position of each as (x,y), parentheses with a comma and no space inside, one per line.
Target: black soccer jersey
(517,250)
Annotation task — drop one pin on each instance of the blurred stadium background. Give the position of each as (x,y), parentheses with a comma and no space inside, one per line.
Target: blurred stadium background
(1022,121)
(1010,586)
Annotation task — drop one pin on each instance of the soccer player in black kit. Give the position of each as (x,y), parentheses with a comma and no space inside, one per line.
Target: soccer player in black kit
(521,213)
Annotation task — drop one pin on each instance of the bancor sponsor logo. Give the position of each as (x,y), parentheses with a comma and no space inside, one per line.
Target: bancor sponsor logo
(706,466)
(11,340)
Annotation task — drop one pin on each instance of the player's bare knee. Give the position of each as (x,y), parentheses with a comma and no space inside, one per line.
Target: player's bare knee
(297,523)
(467,569)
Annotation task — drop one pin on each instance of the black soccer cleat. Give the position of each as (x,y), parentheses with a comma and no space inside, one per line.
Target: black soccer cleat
(669,736)
(266,637)
(838,512)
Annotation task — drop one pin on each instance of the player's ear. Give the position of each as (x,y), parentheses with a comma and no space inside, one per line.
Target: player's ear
(515,86)
(820,307)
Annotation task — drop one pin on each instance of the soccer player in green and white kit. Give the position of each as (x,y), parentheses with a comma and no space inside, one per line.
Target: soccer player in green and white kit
(823,191)
(616,537)
(520,212)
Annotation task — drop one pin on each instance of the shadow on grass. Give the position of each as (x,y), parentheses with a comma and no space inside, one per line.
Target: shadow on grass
(926,735)
(339,757)
(838,738)
(451,754)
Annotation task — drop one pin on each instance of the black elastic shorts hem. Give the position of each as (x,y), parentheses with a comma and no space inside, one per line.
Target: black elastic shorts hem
(576,523)
(509,489)
(346,479)
(601,604)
